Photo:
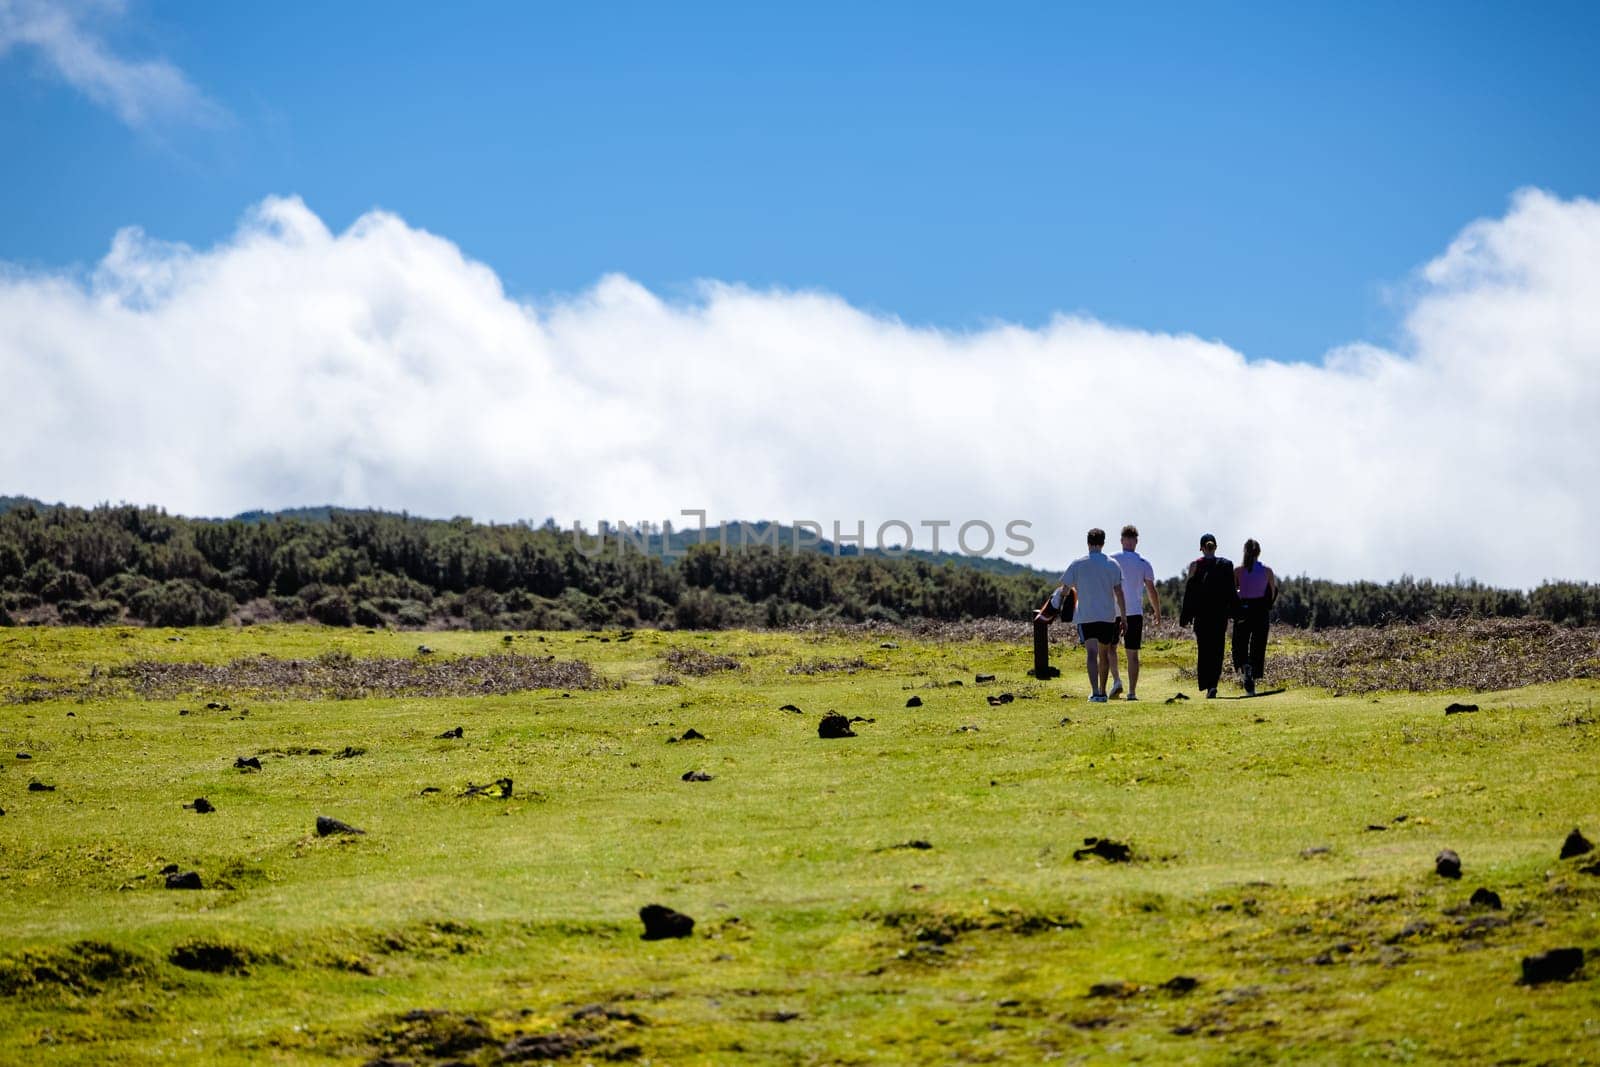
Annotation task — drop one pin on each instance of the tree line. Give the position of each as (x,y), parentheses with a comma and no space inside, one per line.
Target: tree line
(114,564)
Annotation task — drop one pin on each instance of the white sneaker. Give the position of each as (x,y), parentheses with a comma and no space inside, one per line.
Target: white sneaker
(1116,691)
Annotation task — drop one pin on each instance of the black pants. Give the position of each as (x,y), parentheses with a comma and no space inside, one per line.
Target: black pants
(1210,635)
(1250,637)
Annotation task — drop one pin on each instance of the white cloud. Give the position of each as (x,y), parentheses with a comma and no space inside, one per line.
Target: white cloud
(142,93)
(291,365)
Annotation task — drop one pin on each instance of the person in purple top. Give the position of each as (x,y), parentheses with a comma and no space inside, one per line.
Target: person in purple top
(1258,588)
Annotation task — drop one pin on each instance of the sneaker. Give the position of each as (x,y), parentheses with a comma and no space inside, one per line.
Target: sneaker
(1116,690)
(1249,684)
(1130,696)
(1098,698)
(1211,694)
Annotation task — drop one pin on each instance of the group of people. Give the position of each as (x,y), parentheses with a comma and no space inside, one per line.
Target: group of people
(1106,596)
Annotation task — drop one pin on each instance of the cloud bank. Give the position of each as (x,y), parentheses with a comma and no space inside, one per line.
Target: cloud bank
(141,93)
(380,367)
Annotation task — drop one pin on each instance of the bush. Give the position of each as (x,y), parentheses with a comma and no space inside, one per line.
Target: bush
(125,586)
(367,614)
(67,585)
(332,609)
(89,612)
(181,602)
(411,613)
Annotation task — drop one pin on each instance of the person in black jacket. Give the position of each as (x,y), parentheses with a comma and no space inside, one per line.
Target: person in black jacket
(1210,600)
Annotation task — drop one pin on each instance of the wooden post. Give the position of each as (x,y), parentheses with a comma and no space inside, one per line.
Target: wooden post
(1041,651)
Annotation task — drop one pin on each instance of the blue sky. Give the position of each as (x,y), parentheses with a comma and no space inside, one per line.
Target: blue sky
(1258,174)
(1320,275)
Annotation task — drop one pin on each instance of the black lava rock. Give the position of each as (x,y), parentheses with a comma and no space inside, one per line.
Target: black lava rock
(1105,848)
(1447,864)
(1485,898)
(201,806)
(1557,965)
(791,707)
(696,776)
(662,923)
(457,732)
(326,826)
(691,734)
(542,1048)
(183,880)
(250,764)
(37,786)
(1575,845)
(981,678)
(24,755)
(834,725)
(914,702)
(1457,709)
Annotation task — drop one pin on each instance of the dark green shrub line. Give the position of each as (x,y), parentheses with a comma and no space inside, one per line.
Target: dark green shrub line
(360,568)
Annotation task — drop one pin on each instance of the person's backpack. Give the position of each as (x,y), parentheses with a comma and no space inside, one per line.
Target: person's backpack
(1061,603)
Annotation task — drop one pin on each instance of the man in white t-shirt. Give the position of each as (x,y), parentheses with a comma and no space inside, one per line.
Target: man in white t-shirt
(1138,577)
(1096,580)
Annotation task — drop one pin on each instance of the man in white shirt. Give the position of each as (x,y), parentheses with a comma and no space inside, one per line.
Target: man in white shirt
(1138,577)
(1096,581)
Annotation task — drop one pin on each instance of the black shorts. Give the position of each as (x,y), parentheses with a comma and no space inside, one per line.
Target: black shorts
(1135,635)
(1104,632)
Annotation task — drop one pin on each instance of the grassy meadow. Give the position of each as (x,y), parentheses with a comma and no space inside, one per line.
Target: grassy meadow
(1281,901)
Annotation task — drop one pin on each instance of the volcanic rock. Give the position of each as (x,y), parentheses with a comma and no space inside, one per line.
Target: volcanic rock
(457,732)
(538,1048)
(662,922)
(1485,898)
(1447,864)
(1457,709)
(914,702)
(201,806)
(183,880)
(1575,845)
(1105,848)
(696,776)
(834,725)
(980,679)
(1556,965)
(326,826)
(251,763)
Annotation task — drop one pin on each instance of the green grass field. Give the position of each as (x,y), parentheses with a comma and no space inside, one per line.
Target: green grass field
(1283,859)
